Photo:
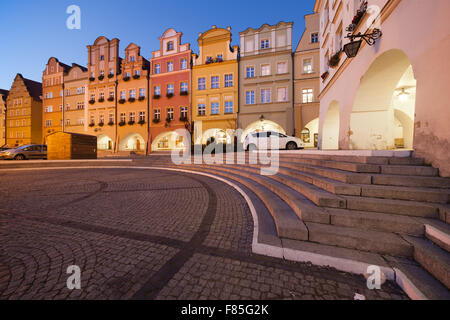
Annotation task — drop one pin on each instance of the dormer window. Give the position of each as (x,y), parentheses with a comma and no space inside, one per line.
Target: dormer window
(132,59)
(170,46)
(102,58)
(265,44)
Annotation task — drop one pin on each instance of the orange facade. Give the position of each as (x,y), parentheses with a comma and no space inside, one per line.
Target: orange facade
(170,85)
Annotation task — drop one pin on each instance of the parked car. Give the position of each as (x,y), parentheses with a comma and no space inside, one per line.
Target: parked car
(272,140)
(34,151)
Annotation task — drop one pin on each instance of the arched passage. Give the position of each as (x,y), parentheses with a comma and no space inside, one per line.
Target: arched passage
(330,131)
(216,135)
(168,141)
(383,110)
(262,125)
(309,134)
(104,142)
(132,142)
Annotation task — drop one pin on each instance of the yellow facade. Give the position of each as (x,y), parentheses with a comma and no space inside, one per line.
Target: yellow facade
(76,100)
(215,87)
(3,97)
(24,118)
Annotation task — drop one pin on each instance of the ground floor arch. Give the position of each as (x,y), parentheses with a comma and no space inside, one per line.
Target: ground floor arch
(382,116)
(331,126)
(132,142)
(262,125)
(216,135)
(104,143)
(168,141)
(310,134)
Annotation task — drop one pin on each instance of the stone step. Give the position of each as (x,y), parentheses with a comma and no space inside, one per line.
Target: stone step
(399,207)
(411,181)
(345,166)
(364,240)
(287,223)
(432,195)
(361,159)
(376,221)
(438,232)
(418,283)
(410,170)
(432,258)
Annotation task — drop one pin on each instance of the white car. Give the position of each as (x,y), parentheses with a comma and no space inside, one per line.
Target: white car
(272,141)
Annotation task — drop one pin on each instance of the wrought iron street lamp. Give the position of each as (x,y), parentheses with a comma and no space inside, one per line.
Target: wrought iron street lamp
(351,49)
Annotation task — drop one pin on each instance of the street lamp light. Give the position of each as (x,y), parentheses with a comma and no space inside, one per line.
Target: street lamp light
(351,49)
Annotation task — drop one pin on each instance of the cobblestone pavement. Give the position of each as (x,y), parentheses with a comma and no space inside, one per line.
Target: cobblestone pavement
(145,235)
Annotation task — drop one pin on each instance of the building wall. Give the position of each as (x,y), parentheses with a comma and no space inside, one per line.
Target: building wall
(2,119)
(426,55)
(133,136)
(280,107)
(212,43)
(24,119)
(103,56)
(307,78)
(52,98)
(76,99)
(161,132)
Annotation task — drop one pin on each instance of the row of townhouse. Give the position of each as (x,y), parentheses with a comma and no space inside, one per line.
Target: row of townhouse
(135,104)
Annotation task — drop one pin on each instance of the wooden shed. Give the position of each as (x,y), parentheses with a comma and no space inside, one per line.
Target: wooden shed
(68,146)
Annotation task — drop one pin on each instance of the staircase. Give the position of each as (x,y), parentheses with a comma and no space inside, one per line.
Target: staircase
(386,211)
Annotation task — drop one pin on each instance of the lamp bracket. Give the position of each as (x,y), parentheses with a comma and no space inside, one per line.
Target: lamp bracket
(369,38)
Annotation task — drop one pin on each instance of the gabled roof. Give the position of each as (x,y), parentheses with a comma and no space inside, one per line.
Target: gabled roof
(34,88)
(74,65)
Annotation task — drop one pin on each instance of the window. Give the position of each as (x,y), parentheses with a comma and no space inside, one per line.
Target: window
(265,70)
(111,117)
(170,46)
(282,67)
(49,109)
(250,97)
(282,94)
(141,93)
(24,123)
(80,105)
(201,109)
(67,107)
(92,120)
(111,71)
(201,83)
(102,96)
(49,95)
(138,73)
(169,66)
(307,66)
(102,73)
(102,58)
(157,91)
(183,64)
(250,72)
(265,96)
(307,95)
(123,117)
(123,95)
(132,59)
(157,114)
(111,94)
(80,121)
(228,106)
(133,94)
(184,112)
(314,37)
(170,89)
(142,116)
(228,80)
(184,87)
(215,82)
(265,44)
(132,116)
(48,123)
(102,119)
(80,90)
(127,74)
(157,68)
(170,114)
(215,108)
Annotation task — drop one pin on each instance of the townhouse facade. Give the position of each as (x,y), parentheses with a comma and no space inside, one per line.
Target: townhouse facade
(24,117)
(53,97)
(3,110)
(215,87)
(133,102)
(75,113)
(265,82)
(307,83)
(170,85)
(389,94)
(104,69)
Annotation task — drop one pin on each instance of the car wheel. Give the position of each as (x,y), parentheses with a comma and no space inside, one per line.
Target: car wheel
(291,146)
(251,147)
(19,157)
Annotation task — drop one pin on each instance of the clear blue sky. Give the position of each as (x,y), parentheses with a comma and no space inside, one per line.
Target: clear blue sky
(34,31)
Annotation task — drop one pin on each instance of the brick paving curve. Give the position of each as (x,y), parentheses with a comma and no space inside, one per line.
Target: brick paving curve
(145,235)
